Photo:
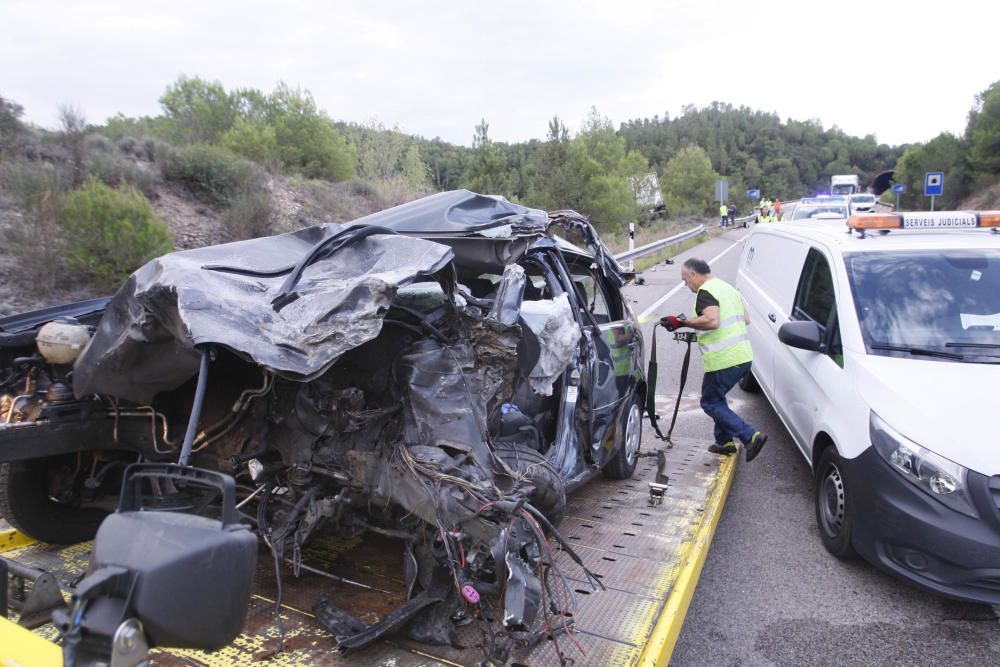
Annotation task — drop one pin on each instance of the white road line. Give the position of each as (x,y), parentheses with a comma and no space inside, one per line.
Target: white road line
(662,299)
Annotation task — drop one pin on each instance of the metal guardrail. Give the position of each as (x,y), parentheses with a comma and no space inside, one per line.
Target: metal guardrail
(629,255)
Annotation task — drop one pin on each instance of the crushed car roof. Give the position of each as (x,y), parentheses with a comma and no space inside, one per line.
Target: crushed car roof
(279,301)
(460,213)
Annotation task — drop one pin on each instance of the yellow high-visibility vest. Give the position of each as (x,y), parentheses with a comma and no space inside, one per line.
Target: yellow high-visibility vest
(729,345)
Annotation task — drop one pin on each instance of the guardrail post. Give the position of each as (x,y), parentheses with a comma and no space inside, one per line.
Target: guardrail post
(631,245)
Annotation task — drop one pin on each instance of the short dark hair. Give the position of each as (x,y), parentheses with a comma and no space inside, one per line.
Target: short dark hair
(698,266)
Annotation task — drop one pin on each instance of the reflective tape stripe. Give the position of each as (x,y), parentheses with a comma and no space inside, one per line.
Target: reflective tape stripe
(722,344)
(730,320)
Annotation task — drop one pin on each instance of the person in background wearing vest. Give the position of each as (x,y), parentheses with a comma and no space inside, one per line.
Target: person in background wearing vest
(725,354)
(776,210)
(724,214)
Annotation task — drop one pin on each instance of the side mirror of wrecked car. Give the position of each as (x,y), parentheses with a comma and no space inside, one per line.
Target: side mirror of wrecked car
(160,560)
(803,335)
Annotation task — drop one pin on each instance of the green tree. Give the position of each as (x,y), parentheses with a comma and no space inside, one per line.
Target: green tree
(487,171)
(387,155)
(307,141)
(600,156)
(983,132)
(111,232)
(553,184)
(254,140)
(688,182)
(198,111)
(943,153)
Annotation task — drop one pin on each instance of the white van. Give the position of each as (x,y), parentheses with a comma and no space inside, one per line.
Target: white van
(878,344)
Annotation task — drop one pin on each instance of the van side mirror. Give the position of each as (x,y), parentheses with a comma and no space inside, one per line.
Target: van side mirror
(802,334)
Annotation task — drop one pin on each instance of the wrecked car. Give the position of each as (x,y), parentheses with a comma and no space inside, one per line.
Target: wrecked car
(441,373)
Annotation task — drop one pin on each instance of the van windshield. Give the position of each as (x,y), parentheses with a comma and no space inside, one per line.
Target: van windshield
(933,304)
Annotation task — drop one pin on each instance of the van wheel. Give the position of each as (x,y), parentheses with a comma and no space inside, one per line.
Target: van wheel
(834,504)
(622,464)
(26,504)
(749,384)
(549,496)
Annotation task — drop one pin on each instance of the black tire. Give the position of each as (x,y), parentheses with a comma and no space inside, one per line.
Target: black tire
(549,496)
(26,505)
(622,464)
(749,384)
(835,504)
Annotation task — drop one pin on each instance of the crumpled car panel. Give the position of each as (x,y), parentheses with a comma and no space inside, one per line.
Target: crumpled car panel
(145,343)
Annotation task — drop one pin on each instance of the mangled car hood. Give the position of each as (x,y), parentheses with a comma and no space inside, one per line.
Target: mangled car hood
(230,295)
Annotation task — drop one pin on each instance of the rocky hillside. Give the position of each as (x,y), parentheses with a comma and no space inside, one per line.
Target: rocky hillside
(295,203)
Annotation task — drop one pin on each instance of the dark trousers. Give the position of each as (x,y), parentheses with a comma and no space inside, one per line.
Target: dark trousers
(715,386)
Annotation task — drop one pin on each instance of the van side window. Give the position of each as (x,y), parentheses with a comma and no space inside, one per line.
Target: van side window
(815,300)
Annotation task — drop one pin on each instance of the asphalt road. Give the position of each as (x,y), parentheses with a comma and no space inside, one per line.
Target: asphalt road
(770,594)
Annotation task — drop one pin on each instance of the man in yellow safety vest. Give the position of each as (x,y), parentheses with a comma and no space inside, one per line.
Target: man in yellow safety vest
(725,353)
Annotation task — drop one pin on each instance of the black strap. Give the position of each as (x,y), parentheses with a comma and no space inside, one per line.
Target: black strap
(680,390)
(651,382)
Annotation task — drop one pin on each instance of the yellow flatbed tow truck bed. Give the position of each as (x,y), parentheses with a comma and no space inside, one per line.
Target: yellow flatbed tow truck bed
(648,557)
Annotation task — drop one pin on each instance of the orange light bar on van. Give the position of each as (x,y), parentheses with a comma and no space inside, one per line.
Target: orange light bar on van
(989,219)
(875,221)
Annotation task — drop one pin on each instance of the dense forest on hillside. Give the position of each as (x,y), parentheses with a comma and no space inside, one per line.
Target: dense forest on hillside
(75,202)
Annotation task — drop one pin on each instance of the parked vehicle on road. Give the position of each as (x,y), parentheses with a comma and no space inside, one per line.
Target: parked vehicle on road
(880,352)
(862,203)
(820,210)
(845,184)
(440,373)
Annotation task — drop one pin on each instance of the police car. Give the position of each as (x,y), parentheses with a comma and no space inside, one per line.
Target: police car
(878,344)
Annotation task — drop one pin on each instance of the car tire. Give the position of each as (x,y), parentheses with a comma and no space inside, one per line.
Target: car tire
(749,384)
(549,496)
(26,505)
(623,463)
(834,500)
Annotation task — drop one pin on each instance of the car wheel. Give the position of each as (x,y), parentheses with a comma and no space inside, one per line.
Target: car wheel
(26,505)
(834,504)
(622,464)
(549,496)
(748,383)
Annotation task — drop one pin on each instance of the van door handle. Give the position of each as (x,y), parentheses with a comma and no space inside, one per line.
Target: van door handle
(771,317)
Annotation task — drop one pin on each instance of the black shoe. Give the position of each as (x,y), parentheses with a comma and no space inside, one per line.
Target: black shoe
(755,445)
(727,448)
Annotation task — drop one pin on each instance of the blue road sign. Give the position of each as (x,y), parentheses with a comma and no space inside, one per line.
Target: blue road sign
(753,194)
(899,188)
(933,183)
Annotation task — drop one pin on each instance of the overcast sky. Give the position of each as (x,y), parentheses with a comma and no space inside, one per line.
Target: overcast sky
(901,70)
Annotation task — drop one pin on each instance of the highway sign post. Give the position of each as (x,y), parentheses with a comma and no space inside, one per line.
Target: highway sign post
(898,189)
(721,191)
(933,185)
